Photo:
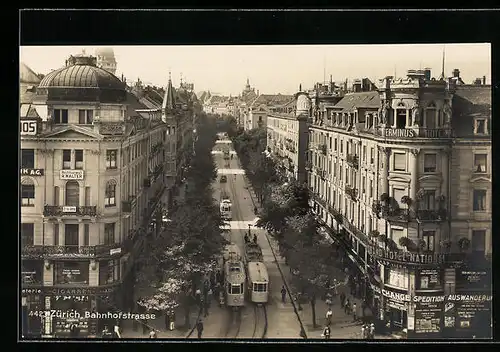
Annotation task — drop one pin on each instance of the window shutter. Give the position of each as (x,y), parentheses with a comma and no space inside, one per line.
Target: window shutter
(400,161)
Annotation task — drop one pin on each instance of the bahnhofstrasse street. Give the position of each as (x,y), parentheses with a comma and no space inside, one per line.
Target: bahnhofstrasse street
(351,210)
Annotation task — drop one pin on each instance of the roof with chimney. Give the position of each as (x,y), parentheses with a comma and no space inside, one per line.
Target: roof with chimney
(352,101)
(272,99)
(469,102)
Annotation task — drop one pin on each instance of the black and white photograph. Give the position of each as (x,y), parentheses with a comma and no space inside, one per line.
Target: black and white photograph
(253,192)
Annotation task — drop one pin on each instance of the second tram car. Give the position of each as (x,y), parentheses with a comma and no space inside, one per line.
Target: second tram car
(235,282)
(226,209)
(258,282)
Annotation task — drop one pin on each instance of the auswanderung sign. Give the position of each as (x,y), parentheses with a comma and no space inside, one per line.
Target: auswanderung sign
(402,297)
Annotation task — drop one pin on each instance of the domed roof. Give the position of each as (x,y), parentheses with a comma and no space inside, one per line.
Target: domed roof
(108,52)
(81,75)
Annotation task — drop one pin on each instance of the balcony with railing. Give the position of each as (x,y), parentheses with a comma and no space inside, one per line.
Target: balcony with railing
(424,215)
(63,210)
(418,132)
(351,192)
(318,199)
(396,214)
(322,148)
(353,160)
(70,251)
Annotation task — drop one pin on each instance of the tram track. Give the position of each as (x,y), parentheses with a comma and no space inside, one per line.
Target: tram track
(233,324)
(260,322)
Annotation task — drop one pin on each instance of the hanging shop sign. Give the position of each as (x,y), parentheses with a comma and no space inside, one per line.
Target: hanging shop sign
(71,175)
(83,291)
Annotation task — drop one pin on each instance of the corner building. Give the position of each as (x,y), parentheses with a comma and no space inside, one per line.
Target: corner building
(92,177)
(287,138)
(402,173)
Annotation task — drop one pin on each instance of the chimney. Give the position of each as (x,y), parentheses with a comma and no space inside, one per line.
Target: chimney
(427,74)
(331,80)
(388,82)
(484,80)
(456,73)
(258,92)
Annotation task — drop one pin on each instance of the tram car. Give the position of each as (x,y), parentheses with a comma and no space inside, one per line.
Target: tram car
(225,207)
(253,252)
(257,282)
(234,282)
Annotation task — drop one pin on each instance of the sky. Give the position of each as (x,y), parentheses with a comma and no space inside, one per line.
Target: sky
(273,69)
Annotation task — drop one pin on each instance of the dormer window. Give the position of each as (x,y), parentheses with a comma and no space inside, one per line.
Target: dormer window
(480,126)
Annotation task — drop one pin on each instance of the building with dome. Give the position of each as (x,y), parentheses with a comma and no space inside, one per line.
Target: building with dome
(92,178)
(287,137)
(106,59)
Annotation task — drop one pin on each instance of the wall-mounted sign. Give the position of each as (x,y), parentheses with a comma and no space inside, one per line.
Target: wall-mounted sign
(28,127)
(115,251)
(31,172)
(400,132)
(71,175)
(408,257)
(69,209)
(473,279)
(428,315)
(429,279)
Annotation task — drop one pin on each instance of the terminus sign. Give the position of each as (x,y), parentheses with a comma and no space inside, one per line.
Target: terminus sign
(402,297)
(408,257)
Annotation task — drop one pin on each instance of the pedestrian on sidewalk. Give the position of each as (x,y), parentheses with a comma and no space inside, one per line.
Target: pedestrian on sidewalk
(371,331)
(334,291)
(254,238)
(116,331)
(197,296)
(342,299)
(347,306)
(354,312)
(247,240)
(328,299)
(364,331)
(326,333)
(199,328)
(329,314)
(152,334)
(283,294)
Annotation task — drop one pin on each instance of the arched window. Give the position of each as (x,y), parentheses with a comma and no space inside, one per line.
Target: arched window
(72,194)
(110,194)
(27,192)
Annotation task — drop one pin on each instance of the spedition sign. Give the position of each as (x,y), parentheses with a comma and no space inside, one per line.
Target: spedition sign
(402,297)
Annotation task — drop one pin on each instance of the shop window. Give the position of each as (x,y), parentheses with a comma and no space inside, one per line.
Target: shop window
(70,272)
(429,238)
(479,200)
(27,193)
(109,272)
(110,194)
(396,277)
(111,159)
(480,162)
(399,162)
(72,193)
(31,272)
(429,279)
(27,234)
(430,162)
(28,158)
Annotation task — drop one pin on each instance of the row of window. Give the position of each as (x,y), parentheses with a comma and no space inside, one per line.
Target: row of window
(72,194)
(85,117)
(71,272)
(71,235)
(399,161)
(72,159)
(429,200)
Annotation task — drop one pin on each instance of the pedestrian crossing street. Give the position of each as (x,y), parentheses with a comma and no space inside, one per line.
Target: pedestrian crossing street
(230,171)
(240,225)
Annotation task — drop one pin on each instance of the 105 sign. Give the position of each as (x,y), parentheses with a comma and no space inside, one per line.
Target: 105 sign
(28,127)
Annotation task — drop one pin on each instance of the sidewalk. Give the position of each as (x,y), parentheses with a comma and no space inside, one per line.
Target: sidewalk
(343,325)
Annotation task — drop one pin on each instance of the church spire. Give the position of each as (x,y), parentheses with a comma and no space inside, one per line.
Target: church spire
(442,65)
(169,98)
